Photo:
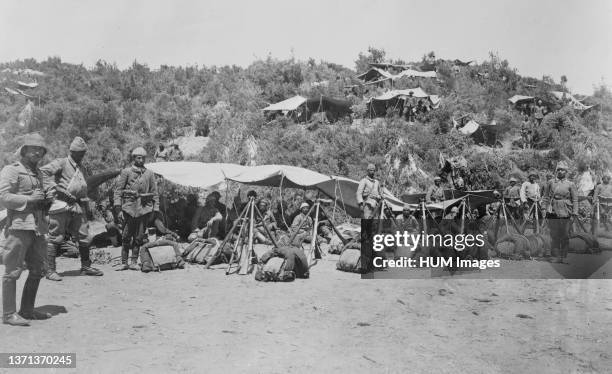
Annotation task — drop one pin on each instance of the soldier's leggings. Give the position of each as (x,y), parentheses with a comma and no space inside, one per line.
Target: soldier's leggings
(559,235)
(133,235)
(21,246)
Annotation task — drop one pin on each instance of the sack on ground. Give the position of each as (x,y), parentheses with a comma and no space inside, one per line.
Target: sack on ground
(160,255)
(350,260)
(201,251)
(274,271)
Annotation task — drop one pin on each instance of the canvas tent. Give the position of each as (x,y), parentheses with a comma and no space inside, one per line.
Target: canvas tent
(564,96)
(520,99)
(378,105)
(377,74)
(302,108)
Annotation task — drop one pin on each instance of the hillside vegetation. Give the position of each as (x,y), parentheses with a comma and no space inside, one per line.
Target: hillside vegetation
(116,110)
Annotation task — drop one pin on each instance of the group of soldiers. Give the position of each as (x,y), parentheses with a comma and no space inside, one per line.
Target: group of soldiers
(556,200)
(48,205)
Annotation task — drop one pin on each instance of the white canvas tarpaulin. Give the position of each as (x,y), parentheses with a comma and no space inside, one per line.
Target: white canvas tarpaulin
(516,98)
(572,100)
(196,174)
(414,74)
(280,175)
(469,128)
(287,105)
(416,92)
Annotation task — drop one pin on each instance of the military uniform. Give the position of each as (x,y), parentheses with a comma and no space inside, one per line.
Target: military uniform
(137,196)
(305,231)
(434,194)
(560,201)
(368,197)
(26,227)
(512,195)
(72,219)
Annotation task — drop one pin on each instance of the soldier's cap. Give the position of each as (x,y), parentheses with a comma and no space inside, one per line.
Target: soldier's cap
(304,205)
(533,173)
(139,152)
(78,145)
(407,207)
(562,165)
(437,178)
(512,179)
(33,140)
(454,210)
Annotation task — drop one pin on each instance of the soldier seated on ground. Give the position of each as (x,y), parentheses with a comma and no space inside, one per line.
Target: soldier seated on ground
(206,220)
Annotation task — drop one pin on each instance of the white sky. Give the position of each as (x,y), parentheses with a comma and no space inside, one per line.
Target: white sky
(537,37)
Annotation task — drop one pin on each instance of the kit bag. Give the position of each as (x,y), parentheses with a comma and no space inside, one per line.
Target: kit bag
(350,260)
(160,255)
(201,251)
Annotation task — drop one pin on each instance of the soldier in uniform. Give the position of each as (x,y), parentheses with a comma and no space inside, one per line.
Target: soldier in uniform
(27,200)
(368,194)
(69,176)
(136,199)
(435,193)
(530,192)
(560,200)
(512,194)
(602,199)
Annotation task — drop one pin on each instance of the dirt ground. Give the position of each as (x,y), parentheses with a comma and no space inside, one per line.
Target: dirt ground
(197,320)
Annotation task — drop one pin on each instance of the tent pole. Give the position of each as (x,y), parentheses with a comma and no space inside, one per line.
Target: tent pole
(313,242)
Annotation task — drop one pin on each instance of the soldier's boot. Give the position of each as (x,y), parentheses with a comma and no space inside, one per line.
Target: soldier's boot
(134,264)
(86,268)
(51,255)
(28,298)
(9,304)
(125,250)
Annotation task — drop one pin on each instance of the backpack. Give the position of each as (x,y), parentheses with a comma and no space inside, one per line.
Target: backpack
(160,255)
(350,260)
(274,271)
(201,251)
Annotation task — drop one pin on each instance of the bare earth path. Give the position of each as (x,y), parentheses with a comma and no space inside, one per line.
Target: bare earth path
(197,320)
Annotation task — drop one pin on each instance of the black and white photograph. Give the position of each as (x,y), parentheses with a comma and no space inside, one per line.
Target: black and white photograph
(367,186)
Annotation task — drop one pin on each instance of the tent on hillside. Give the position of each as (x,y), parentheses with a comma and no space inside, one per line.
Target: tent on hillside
(379,75)
(378,106)
(302,109)
(570,100)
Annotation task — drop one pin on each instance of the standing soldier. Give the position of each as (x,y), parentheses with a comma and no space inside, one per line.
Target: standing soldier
(368,194)
(530,192)
(602,200)
(69,176)
(23,194)
(512,194)
(435,193)
(560,200)
(136,198)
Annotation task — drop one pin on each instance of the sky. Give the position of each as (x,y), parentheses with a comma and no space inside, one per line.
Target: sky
(538,37)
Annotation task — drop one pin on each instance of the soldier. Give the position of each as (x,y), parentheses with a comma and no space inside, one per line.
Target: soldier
(603,192)
(136,199)
(560,200)
(407,221)
(69,176)
(368,194)
(530,192)
(512,194)
(435,193)
(206,220)
(24,195)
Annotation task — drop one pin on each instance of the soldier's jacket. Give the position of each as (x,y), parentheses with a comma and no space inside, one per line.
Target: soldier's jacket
(133,183)
(368,191)
(560,198)
(512,192)
(602,191)
(297,221)
(434,194)
(16,182)
(63,172)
